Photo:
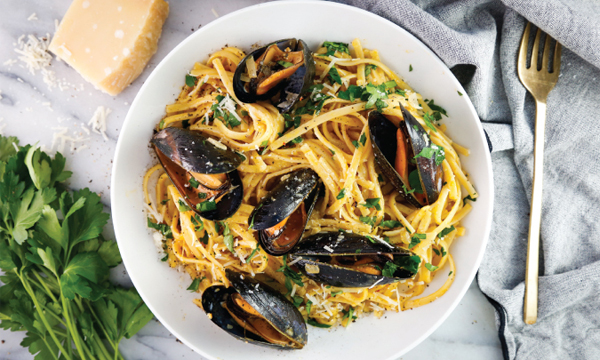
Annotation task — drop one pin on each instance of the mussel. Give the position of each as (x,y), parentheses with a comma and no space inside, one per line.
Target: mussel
(351,260)
(417,178)
(204,174)
(282,215)
(280,71)
(254,312)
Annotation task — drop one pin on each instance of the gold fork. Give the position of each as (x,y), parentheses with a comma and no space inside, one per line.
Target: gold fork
(539,83)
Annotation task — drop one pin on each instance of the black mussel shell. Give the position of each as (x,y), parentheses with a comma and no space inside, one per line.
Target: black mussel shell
(384,142)
(181,150)
(289,90)
(314,253)
(272,305)
(193,152)
(301,186)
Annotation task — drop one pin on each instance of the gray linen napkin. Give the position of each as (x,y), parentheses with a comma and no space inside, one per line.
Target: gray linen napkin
(479,41)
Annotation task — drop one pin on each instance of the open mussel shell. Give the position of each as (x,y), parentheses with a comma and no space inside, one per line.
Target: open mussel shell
(327,258)
(297,193)
(286,93)
(272,307)
(182,152)
(384,142)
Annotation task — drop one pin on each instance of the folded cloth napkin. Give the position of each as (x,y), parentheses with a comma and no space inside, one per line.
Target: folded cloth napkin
(479,41)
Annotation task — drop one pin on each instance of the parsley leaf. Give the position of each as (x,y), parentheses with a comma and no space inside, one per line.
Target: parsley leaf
(352,93)
(468,198)
(194,285)
(390,224)
(410,68)
(369,220)
(290,274)
(334,75)
(194,183)
(368,69)
(415,182)
(183,207)
(416,240)
(446,231)
(459,93)
(430,267)
(308,307)
(314,323)
(336,46)
(372,203)
(163,228)
(285,64)
(429,121)
(190,80)
(341,194)
(206,206)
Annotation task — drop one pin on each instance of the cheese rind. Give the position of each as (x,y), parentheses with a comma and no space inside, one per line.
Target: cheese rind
(109,42)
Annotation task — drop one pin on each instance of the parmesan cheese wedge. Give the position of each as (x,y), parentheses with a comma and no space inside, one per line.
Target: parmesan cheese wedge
(109,42)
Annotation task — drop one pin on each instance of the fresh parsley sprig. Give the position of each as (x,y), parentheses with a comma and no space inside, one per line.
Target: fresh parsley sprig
(56,262)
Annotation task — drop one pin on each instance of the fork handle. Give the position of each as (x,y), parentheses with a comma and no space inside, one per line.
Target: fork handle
(535,218)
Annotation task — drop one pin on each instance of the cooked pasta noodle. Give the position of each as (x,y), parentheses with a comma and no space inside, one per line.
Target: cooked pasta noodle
(332,142)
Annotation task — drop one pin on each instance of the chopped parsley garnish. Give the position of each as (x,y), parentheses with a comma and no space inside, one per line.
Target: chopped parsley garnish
(285,64)
(363,139)
(308,307)
(450,273)
(416,240)
(202,195)
(297,140)
(252,221)
(204,239)
(444,252)
(244,113)
(390,224)
(370,239)
(341,194)
(197,221)
(194,183)
(163,228)
(376,94)
(431,267)
(408,263)
(334,293)
(206,206)
(410,68)
(415,182)
(438,111)
(468,198)
(290,275)
(183,206)
(459,93)
(436,251)
(334,75)
(252,253)
(315,101)
(353,92)
(437,152)
(190,80)
(165,258)
(372,203)
(380,178)
(297,300)
(332,152)
(369,220)
(390,84)
(161,124)
(349,314)
(332,47)
(446,231)
(401,92)
(368,69)
(358,251)
(314,323)
(194,285)
(429,121)
(264,143)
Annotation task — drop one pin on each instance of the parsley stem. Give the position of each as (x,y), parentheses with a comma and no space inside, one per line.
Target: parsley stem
(67,313)
(49,348)
(48,291)
(38,309)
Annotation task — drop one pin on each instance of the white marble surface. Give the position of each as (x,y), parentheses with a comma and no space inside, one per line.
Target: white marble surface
(33,112)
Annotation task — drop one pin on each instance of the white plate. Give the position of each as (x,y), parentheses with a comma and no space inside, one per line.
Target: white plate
(163,289)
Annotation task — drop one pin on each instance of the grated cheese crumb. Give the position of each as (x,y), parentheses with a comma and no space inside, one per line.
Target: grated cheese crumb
(217,144)
(215,12)
(98,121)
(32,17)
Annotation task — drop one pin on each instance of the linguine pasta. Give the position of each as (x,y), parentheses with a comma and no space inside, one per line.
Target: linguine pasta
(332,140)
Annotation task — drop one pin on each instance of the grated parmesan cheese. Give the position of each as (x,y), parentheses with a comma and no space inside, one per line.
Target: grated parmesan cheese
(215,12)
(32,17)
(61,138)
(98,121)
